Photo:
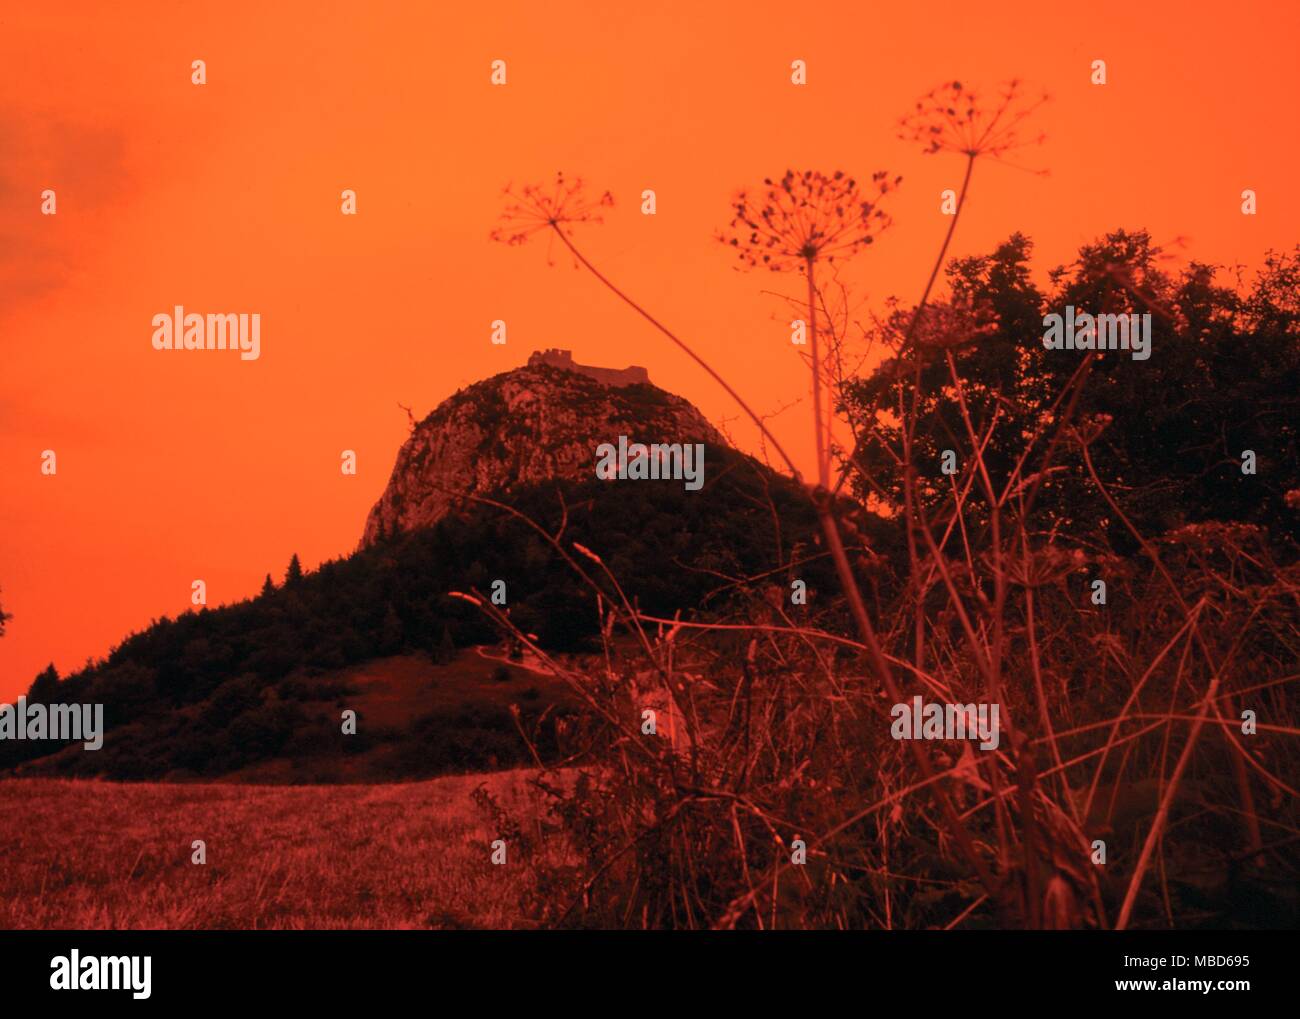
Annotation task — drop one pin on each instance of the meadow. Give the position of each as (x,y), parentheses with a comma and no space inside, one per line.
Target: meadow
(92,854)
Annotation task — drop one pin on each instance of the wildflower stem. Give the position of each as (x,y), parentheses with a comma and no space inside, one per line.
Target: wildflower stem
(694,356)
(823,463)
(943,251)
(1158,825)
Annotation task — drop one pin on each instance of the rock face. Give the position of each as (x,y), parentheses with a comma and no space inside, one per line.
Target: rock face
(523,426)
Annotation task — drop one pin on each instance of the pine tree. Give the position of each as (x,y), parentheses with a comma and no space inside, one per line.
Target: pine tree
(268,585)
(45,687)
(294,573)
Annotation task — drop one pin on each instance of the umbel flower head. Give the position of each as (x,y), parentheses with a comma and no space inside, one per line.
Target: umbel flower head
(807,217)
(539,207)
(956,118)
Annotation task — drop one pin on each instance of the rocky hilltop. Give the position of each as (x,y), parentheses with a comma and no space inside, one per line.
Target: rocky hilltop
(533,423)
(563,359)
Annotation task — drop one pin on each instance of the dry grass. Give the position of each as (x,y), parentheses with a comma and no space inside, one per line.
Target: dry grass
(108,855)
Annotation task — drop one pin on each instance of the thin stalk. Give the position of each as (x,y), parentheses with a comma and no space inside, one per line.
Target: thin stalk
(694,356)
(823,461)
(1158,826)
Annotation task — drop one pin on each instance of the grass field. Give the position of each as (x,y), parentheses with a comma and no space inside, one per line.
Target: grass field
(88,854)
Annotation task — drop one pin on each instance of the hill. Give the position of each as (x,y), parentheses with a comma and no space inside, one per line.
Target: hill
(236,689)
(541,421)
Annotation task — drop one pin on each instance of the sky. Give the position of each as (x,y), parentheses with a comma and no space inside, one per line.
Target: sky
(226,197)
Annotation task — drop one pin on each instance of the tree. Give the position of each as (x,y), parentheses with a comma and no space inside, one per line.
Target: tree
(294,573)
(391,632)
(268,585)
(45,687)
(1165,434)
(3,617)
(445,651)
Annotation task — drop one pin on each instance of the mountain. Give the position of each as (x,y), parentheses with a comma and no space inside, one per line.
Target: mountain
(542,421)
(254,691)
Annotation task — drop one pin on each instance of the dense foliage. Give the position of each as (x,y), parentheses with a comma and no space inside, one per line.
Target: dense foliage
(222,688)
(1223,377)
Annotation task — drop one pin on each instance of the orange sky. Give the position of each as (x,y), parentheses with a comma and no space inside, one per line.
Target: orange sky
(225,197)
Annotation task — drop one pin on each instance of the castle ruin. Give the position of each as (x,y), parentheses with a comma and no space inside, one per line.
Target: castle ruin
(563,359)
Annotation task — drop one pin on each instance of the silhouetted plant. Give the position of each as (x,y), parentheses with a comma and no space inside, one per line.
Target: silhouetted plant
(796,222)
(559,207)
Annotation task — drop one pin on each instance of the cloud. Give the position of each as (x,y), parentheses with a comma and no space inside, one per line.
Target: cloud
(84,165)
